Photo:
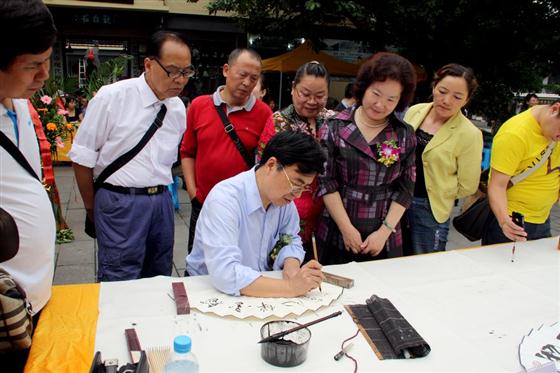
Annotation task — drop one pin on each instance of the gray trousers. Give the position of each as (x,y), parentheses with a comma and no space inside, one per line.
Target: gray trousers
(135,235)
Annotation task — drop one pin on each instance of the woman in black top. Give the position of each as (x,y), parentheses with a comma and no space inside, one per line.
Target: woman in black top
(73,113)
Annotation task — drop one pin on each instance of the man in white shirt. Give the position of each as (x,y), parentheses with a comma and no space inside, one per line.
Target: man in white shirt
(249,223)
(132,209)
(29,34)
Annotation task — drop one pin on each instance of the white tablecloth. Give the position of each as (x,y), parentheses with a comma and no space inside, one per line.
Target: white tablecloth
(472,306)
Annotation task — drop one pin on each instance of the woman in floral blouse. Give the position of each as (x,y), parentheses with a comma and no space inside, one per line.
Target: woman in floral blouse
(310,90)
(370,173)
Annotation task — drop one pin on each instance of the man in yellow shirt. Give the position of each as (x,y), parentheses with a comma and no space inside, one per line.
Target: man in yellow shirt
(520,144)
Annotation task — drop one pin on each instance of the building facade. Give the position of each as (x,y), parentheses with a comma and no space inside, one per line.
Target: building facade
(116,27)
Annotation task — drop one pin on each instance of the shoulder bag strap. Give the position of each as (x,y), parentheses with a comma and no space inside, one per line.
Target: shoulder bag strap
(230,130)
(14,151)
(525,174)
(126,157)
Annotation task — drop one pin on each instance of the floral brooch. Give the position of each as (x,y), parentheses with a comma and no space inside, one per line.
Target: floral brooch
(388,152)
(284,240)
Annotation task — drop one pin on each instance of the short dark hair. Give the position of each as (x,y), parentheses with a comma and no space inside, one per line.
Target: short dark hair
(530,96)
(454,69)
(295,147)
(28,28)
(234,55)
(349,90)
(382,66)
(158,38)
(313,68)
(263,81)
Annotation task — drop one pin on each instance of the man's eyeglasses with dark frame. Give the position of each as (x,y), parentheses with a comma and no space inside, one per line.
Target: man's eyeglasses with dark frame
(188,72)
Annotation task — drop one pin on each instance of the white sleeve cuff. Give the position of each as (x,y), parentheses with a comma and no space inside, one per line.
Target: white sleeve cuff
(238,278)
(83,156)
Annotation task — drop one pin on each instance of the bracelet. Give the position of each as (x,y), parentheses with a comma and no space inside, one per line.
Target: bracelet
(391,228)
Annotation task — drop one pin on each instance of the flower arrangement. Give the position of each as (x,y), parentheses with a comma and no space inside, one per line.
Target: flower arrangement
(51,112)
(284,240)
(52,129)
(388,152)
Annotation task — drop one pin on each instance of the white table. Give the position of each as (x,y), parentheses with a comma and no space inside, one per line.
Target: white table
(472,306)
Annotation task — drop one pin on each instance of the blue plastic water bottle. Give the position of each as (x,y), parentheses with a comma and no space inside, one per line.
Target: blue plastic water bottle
(183,360)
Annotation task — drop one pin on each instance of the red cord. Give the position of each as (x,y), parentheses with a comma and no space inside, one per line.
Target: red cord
(346,353)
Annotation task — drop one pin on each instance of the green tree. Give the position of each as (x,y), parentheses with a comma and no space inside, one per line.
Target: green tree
(511,44)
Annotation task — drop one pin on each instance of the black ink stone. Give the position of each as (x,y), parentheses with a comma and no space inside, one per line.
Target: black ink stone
(289,351)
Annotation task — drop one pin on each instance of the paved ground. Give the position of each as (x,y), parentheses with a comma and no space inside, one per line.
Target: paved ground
(76,261)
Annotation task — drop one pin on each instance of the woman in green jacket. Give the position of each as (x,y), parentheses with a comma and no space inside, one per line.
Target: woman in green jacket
(448,156)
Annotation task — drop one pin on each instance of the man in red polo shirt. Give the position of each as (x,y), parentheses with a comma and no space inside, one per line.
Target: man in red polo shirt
(208,153)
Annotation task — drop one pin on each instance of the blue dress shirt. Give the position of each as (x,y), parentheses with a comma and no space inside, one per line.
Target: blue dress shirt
(235,235)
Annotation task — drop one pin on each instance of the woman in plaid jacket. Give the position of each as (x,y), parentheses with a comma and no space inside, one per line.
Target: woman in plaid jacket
(370,173)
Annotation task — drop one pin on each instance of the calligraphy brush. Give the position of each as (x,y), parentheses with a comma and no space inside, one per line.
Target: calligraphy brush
(316,257)
(279,335)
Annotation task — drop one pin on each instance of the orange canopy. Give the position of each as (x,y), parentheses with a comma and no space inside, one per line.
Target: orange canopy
(290,61)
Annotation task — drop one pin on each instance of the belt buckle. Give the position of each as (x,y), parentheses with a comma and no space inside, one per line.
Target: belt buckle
(152,190)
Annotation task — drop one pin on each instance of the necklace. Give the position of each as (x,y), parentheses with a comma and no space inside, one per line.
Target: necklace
(364,122)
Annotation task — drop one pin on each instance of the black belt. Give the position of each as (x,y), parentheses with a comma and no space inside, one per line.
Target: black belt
(141,191)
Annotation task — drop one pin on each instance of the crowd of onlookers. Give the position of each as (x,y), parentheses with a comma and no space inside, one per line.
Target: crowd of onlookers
(286,190)
(75,106)
(389,185)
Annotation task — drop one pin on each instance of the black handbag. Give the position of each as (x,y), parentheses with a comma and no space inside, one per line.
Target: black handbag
(89,226)
(472,222)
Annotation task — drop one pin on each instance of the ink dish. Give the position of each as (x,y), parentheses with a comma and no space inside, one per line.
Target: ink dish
(287,351)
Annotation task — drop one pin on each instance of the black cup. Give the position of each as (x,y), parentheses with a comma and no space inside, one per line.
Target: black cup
(288,351)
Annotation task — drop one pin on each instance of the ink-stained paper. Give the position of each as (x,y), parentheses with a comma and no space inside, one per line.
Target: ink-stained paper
(213,301)
(540,346)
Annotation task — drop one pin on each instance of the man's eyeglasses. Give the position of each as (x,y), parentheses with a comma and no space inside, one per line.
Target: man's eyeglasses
(321,98)
(175,73)
(296,189)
